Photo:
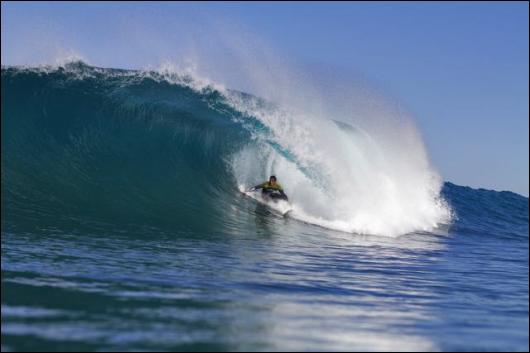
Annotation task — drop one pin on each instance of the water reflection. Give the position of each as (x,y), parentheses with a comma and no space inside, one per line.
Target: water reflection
(280,285)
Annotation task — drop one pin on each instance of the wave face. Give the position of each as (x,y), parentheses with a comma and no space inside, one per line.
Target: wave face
(108,146)
(85,146)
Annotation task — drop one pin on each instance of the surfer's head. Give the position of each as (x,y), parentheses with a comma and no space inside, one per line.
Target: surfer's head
(272,179)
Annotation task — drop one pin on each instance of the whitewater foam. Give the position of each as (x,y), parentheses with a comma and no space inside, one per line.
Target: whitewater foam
(342,177)
(374,179)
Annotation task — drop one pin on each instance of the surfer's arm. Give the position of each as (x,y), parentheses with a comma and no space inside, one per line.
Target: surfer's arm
(257,187)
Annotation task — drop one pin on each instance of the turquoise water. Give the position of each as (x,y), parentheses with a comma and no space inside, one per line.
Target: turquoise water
(100,250)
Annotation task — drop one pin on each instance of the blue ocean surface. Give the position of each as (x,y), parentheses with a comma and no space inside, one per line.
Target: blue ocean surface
(124,228)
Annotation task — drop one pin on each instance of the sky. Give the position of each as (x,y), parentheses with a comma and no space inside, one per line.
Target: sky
(460,68)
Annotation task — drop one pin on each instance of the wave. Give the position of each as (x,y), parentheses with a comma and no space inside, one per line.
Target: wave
(82,144)
(484,212)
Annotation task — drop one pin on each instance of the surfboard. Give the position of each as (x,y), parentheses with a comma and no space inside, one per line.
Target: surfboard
(287,213)
(280,206)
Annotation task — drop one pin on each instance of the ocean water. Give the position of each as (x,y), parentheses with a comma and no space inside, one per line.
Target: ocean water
(124,226)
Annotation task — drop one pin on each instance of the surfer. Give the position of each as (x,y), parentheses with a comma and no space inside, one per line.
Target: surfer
(271,189)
